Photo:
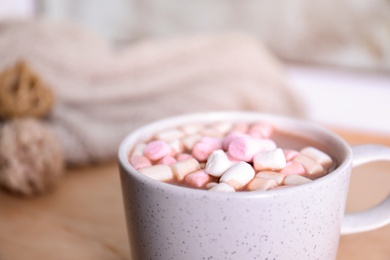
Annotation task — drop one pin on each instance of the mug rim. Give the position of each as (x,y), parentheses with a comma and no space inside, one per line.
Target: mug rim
(222,116)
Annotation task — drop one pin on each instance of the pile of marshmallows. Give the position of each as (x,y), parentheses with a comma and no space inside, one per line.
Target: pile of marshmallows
(227,157)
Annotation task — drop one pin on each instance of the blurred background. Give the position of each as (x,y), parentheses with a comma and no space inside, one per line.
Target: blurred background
(336,53)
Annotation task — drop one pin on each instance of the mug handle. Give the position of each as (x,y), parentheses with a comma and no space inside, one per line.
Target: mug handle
(379,215)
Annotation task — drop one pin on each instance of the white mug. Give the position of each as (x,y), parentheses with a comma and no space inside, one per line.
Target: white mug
(167,221)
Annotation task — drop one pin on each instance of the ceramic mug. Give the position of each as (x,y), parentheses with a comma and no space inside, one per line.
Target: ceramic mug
(166,221)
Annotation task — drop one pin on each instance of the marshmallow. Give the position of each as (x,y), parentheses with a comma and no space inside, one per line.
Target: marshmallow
(313,170)
(191,140)
(157,149)
(191,129)
(278,177)
(240,128)
(167,160)
(295,179)
(217,163)
(272,159)
(158,172)
(222,127)
(169,135)
(138,149)
(222,187)
(229,138)
(197,179)
(293,167)
(176,146)
(290,154)
(139,161)
(183,156)
(238,175)
(318,156)
(261,130)
(259,183)
(182,168)
(245,148)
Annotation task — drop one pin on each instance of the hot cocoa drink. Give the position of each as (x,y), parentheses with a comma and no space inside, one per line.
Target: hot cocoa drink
(231,157)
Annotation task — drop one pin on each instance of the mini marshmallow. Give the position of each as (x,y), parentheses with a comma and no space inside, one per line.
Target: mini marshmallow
(159,172)
(183,156)
(202,151)
(295,179)
(278,177)
(167,160)
(290,154)
(139,161)
(259,183)
(157,149)
(240,128)
(211,132)
(176,146)
(217,163)
(211,185)
(238,175)
(138,149)
(191,140)
(222,127)
(169,135)
(229,138)
(222,187)
(293,167)
(191,129)
(272,159)
(245,148)
(313,170)
(318,156)
(182,168)
(215,142)
(261,130)
(197,179)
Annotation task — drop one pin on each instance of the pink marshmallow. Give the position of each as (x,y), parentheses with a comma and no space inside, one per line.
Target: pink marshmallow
(214,142)
(229,138)
(156,150)
(240,128)
(139,161)
(202,151)
(293,167)
(290,154)
(167,160)
(183,156)
(198,179)
(261,130)
(245,148)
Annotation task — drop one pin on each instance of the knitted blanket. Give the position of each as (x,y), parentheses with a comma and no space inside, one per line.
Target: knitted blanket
(102,92)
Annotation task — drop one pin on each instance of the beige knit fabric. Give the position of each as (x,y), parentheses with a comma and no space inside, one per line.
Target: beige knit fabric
(102,93)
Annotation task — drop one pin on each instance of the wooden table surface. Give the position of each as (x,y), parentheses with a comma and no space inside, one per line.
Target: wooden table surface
(84,219)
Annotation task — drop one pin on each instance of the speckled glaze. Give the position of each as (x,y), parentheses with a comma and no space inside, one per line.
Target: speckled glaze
(302,222)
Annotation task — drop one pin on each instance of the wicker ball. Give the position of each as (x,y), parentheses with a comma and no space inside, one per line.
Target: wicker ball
(23,94)
(31,159)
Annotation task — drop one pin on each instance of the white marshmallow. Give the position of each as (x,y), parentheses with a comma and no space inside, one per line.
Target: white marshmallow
(295,179)
(191,128)
(158,172)
(177,146)
(217,163)
(313,169)
(138,149)
(191,140)
(185,167)
(278,177)
(272,159)
(170,135)
(222,187)
(318,156)
(259,183)
(238,175)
